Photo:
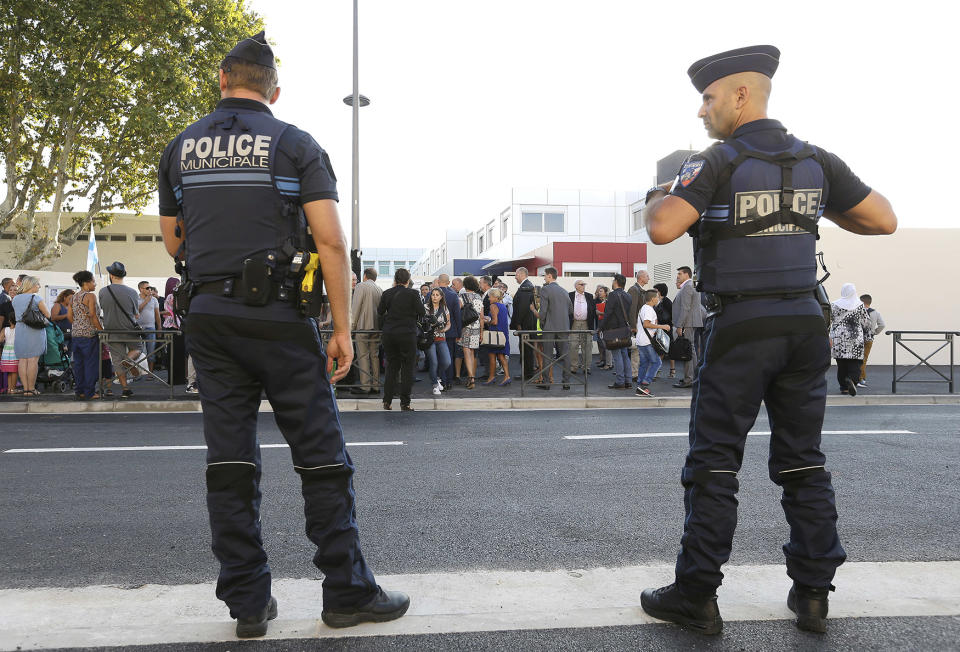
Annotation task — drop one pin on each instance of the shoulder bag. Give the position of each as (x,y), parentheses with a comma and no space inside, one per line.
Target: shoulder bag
(32,316)
(133,322)
(619,337)
(468,314)
(660,341)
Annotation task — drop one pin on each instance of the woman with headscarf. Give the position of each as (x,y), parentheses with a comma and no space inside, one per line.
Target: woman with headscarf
(848,318)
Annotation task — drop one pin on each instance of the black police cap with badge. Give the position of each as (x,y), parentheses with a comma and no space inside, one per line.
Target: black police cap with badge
(254,49)
(755,58)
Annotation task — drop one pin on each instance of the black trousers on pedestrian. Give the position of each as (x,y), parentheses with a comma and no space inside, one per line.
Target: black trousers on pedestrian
(236,360)
(847,368)
(776,353)
(401,352)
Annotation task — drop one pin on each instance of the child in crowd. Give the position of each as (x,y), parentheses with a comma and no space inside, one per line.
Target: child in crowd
(8,360)
(649,360)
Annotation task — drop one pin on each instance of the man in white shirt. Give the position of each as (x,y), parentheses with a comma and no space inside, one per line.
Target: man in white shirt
(584,319)
(149,320)
(876,327)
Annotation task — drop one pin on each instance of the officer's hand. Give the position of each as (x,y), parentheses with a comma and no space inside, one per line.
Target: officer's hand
(339,348)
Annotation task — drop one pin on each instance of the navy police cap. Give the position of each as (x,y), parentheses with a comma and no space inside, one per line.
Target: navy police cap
(756,58)
(255,50)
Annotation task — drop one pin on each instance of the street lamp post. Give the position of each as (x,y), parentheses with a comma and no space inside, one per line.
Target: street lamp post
(356,100)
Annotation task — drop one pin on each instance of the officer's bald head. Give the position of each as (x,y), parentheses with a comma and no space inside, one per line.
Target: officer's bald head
(734,100)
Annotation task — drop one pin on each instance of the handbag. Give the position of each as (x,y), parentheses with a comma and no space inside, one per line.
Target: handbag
(495,339)
(32,316)
(468,314)
(660,341)
(681,350)
(619,337)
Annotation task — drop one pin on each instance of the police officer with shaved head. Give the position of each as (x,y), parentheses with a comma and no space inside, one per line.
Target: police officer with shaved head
(238,190)
(752,203)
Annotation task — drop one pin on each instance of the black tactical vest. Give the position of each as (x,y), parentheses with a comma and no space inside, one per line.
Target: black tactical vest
(234,206)
(763,241)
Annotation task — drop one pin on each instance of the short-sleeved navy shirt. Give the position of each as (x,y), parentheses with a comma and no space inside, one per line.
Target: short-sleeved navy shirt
(298,156)
(842,188)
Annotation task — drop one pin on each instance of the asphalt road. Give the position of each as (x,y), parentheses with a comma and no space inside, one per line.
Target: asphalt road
(471,491)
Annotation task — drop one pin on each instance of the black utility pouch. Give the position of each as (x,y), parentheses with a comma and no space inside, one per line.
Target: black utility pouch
(181,298)
(256,282)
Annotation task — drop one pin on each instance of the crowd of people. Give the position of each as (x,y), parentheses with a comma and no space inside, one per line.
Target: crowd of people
(457,330)
(33,335)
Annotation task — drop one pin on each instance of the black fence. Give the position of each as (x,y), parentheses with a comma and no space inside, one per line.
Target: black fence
(945,338)
(137,339)
(546,354)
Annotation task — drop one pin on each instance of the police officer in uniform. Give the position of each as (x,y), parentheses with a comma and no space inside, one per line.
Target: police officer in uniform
(751,203)
(238,189)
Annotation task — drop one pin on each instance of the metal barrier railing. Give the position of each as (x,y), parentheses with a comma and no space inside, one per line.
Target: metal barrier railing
(163,340)
(365,378)
(550,348)
(944,336)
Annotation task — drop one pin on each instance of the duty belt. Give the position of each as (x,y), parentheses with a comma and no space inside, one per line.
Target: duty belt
(231,287)
(737,298)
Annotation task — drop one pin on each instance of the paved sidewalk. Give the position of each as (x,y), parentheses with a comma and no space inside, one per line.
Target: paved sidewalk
(153,395)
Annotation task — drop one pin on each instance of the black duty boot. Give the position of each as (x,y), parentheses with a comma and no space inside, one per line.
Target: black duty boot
(810,605)
(667,603)
(385,606)
(253,626)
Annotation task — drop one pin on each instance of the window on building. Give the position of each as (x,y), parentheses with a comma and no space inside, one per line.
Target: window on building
(369,263)
(384,267)
(101,238)
(542,222)
(532,222)
(576,274)
(553,222)
(637,220)
(490,239)
(143,238)
(443,255)
(159,238)
(608,273)
(11,236)
(480,246)
(663,273)
(504,227)
(84,236)
(397,264)
(412,264)
(118,238)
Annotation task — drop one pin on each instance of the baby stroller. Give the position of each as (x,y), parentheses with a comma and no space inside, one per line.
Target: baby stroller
(54,365)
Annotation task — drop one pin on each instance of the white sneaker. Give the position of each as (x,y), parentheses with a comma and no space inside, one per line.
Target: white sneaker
(862,383)
(436,390)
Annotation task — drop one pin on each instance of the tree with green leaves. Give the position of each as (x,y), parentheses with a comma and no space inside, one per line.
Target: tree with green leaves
(90,93)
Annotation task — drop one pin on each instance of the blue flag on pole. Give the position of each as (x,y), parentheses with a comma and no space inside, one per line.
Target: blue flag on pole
(93,258)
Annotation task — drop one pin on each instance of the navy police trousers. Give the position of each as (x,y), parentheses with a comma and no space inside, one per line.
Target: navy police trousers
(236,359)
(775,351)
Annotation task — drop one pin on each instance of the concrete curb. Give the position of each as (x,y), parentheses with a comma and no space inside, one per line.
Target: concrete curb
(456,404)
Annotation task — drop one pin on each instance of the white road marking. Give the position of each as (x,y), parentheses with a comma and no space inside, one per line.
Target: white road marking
(111,449)
(642,435)
(480,601)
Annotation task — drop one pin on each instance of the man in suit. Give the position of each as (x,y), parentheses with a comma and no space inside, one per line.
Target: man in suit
(687,320)
(636,292)
(366,298)
(524,319)
(584,319)
(556,311)
(456,325)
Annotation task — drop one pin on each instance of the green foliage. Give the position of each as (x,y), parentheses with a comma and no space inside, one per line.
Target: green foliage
(90,93)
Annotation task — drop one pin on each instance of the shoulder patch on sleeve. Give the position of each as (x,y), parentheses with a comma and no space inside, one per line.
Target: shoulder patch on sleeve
(689,172)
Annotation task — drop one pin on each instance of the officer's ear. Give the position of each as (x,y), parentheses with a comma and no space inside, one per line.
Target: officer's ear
(223,80)
(276,94)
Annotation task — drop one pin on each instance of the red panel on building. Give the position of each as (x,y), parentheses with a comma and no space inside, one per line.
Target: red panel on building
(626,254)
